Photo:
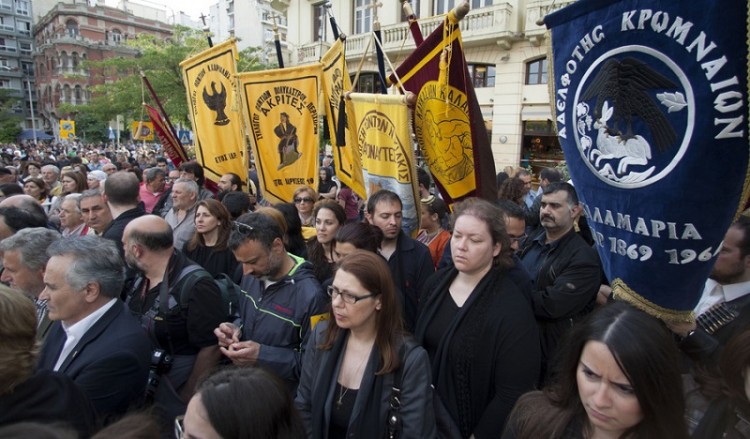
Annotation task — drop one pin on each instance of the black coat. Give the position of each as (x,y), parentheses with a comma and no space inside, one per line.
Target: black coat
(489,355)
(565,287)
(316,391)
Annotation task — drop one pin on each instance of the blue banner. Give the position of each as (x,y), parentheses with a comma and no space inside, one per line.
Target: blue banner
(651,111)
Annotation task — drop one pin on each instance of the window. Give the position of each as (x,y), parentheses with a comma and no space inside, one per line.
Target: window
(6,23)
(480,3)
(78,93)
(22,7)
(24,27)
(25,48)
(442,6)
(116,36)
(536,72)
(319,22)
(64,60)
(28,68)
(67,93)
(482,75)
(72,28)
(6,4)
(369,82)
(74,60)
(4,83)
(362,16)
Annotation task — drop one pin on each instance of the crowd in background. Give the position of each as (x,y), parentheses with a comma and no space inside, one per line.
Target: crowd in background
(138,302)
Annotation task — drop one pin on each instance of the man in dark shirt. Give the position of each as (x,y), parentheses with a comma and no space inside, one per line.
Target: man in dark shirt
(180,324)
(565,270)
(120,191)
(409,260)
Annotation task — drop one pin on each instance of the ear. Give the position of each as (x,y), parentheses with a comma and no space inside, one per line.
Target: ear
(576,210)
(368,217)
(91,292)
(496,249)
(378,304)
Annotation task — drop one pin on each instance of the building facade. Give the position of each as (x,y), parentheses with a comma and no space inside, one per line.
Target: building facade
(70,34)
(251,22)
(16,57)
(505,49)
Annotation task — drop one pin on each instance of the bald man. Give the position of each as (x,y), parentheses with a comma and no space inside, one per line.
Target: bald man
(183,326)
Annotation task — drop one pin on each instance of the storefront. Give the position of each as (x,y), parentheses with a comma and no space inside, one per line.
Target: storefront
(540,147)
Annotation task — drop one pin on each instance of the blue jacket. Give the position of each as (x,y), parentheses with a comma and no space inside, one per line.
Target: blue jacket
(280,317)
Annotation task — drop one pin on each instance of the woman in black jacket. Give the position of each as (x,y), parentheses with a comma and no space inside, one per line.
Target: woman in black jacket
(353,359)
(478,327)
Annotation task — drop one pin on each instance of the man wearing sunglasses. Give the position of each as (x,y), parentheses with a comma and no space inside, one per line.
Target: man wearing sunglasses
(281,301)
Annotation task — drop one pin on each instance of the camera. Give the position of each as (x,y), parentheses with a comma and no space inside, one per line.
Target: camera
(161,363)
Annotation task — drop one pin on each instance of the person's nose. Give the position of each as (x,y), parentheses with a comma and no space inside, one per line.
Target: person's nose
(601,398)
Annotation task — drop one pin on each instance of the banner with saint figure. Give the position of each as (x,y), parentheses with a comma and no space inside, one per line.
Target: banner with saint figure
(281,107)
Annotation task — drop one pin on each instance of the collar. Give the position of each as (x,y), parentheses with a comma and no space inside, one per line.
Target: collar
(79,328)
(733,291)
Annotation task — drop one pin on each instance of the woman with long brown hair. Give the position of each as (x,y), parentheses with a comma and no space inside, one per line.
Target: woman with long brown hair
(208,246)
(356,358)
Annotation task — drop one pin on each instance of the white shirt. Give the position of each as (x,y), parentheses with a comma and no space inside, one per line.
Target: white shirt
(714,293)
(76,331)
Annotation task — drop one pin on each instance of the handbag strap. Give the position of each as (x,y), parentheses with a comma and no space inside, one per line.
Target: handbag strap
(394,402)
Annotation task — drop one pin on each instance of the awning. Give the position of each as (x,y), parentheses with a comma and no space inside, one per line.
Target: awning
(536,112)
(29,135)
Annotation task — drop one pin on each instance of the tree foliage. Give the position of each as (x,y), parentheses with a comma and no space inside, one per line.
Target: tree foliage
(160,62)
(10,120)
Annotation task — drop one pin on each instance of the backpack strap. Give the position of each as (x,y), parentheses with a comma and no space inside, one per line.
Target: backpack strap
(187,279)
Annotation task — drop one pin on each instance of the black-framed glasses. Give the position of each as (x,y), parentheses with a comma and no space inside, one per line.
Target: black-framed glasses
(179,427)
(305,199)
(349,298)
(518,239)
(242,227)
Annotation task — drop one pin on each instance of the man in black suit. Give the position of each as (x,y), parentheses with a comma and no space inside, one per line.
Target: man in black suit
(94,339)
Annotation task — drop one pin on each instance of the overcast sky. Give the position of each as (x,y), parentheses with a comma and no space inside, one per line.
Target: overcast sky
(194,8)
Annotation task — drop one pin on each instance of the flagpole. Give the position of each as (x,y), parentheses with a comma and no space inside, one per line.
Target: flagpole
(277,43)
(411,17)
(206,30)
(378,50)
(332,20)
(158,104)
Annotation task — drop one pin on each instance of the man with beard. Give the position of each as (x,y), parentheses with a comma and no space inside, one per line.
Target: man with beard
(724,308)
(565,271)
(282,301)
(409,260)
(179,324)
(229,182)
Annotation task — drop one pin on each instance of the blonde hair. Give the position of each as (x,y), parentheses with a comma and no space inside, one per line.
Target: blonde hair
(18,346)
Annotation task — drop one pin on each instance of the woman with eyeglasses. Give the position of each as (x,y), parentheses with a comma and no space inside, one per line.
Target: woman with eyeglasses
(328,216)
(358,357)
(208,246)
(478,327)
(432,233)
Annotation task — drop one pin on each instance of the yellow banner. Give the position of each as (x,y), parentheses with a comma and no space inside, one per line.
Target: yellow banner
(67,129)
(382,130)
(335,83)
(281,107)
(142,130)
(210,82)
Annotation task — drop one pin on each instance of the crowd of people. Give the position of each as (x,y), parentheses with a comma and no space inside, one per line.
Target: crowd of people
(138,303)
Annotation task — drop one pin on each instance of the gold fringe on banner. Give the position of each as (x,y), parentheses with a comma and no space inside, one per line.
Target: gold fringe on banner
(620,290)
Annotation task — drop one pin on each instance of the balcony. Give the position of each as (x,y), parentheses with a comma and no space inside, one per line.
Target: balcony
(480,26)
(536,10)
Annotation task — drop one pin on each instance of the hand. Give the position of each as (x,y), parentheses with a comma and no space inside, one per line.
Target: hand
(243,353)
(227,333)
(604,292)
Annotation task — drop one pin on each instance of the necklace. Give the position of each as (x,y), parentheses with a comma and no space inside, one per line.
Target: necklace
(343,389)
